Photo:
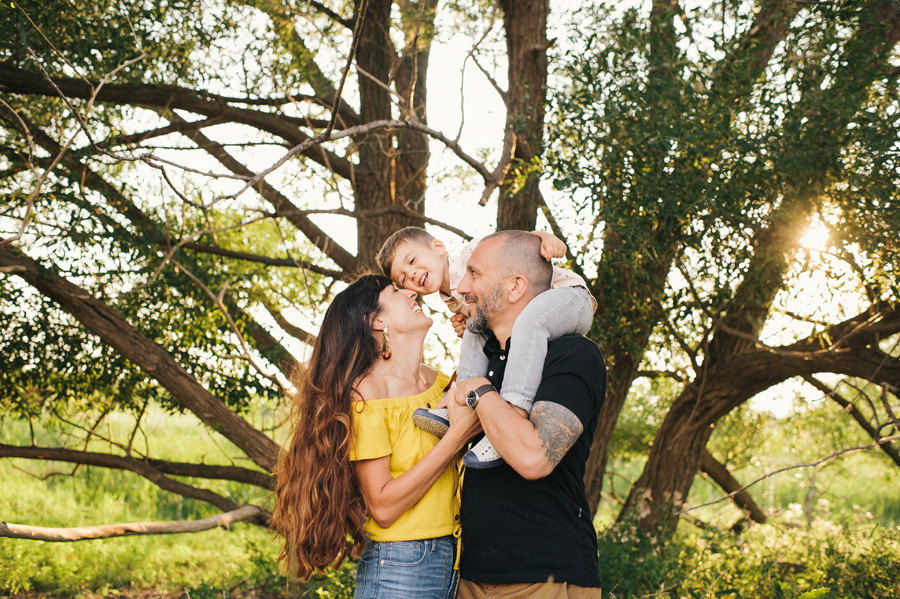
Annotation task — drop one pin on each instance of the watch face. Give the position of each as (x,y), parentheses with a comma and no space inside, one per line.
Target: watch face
(471,398)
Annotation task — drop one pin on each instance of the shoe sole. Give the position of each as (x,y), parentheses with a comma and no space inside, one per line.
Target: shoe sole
(430,425)
(479,465)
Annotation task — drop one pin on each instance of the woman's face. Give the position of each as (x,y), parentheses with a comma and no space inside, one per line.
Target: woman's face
(400,312)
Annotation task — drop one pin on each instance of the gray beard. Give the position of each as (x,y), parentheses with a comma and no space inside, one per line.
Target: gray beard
(489,305)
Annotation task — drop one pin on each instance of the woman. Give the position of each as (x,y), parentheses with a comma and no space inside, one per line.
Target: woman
(355,451)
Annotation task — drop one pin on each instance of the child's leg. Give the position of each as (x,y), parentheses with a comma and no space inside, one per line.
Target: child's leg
(472,361)
(551,314)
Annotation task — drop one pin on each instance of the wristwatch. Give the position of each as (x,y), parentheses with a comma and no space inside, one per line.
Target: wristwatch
(472,397)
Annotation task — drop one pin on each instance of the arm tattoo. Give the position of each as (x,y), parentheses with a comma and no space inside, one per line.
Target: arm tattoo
(558,429)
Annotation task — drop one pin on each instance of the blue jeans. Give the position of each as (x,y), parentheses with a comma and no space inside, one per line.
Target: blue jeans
(549,315)
(420,569)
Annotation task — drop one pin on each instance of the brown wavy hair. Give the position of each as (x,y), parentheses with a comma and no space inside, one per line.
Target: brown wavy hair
(318,501)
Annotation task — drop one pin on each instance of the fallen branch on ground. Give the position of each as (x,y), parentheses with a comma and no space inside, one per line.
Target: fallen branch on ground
(85,533)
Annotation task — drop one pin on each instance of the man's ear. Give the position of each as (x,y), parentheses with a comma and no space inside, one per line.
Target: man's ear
(517,288)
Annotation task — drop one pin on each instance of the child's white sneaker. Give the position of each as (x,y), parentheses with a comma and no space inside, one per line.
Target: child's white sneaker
(483,455)
(436,421)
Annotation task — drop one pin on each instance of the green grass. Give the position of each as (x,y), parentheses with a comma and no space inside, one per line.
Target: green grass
(47,494)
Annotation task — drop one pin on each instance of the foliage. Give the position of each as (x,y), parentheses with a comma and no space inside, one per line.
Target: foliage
(701,158)
(828,560)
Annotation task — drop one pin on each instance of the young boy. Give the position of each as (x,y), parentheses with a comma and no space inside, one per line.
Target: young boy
(416,260)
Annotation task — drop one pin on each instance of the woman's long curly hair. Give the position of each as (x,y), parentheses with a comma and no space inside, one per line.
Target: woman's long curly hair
(318,501)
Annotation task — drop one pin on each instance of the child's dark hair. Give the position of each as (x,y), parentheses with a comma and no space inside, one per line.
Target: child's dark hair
(388,251)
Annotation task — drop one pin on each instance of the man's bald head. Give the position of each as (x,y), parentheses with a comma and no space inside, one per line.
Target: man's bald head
(519,253)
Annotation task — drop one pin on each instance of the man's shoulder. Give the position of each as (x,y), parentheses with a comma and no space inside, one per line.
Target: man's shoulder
(572,346)
(576,354)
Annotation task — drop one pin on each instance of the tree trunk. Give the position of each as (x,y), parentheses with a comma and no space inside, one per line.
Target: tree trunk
(676,452)
(623,329)
(412,74)
(376,181)
(525,23)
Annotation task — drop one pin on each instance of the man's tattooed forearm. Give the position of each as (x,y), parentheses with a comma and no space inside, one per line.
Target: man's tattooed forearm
(557,427)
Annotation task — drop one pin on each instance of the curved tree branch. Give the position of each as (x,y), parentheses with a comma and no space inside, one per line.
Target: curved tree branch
(830,456)
(248,513)
(83,175)
(722,477)
(18,81)
(322,240)
(232,473)
(286,262)
(847,406)
(122,463)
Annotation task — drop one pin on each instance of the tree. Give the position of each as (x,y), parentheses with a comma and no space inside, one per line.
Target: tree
(698,148)
(706,154)
(145,244)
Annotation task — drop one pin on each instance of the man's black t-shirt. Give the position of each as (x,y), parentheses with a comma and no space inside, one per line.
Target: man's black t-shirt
(520,531)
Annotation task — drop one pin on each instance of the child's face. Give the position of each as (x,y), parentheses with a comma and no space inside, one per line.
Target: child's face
(420,268)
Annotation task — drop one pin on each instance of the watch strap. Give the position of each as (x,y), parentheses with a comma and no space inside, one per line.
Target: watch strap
(478,393)
(484,389)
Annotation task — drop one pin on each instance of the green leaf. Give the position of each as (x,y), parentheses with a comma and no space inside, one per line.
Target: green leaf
(779,594)
(814,594)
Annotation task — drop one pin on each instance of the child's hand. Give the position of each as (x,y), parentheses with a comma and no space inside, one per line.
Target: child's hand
(551,246)
(458,321)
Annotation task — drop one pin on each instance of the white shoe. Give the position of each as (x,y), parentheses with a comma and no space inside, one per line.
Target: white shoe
(483,455)
(436,422)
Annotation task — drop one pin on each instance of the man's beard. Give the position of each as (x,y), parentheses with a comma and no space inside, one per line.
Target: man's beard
(489,305)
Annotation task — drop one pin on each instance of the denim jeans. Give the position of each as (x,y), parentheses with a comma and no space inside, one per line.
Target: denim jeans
(549,315)
(420,569)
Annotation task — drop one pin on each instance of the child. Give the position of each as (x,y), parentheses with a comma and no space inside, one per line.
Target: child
(414,259)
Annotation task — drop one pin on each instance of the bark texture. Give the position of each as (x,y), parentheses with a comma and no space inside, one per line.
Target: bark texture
(525,23)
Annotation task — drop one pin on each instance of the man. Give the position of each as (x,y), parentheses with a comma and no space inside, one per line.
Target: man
(526,525)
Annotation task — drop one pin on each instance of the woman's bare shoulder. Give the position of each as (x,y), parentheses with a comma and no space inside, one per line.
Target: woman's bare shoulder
(369,387)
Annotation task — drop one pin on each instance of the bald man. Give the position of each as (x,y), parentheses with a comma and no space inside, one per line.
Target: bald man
(526,524)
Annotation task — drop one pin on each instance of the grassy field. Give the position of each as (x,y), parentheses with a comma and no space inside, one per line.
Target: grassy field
(838,530)
(48,494)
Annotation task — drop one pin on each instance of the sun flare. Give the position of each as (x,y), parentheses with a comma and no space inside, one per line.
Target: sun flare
(815,237)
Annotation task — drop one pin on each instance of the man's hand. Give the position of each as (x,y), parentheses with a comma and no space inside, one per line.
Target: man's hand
(464,386)
(458,321)
(551,246)
(462,417)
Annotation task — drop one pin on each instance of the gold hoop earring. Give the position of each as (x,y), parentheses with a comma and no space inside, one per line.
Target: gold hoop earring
(385,350)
